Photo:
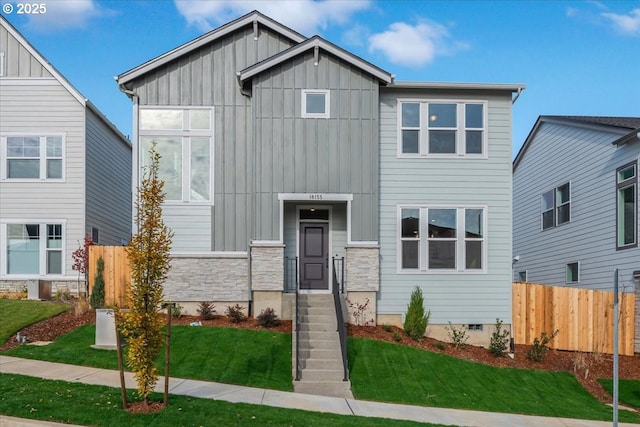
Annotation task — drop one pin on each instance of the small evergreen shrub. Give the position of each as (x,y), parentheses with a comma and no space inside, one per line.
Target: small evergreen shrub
(268,318)
(438,345)
(498,344)
(459,336)
(235,313)
(416,320)
(539,347)
(206,310)
(176,310)
(397,336)
(387,328)
(97,293)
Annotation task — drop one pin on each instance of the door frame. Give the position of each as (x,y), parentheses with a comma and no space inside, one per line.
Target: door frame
(329,243)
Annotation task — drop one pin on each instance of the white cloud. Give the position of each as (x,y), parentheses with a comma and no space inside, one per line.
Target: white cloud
(626,24)
(418,45)
(62,15)
(304,16)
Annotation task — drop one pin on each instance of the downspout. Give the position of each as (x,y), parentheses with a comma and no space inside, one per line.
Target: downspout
(513,101)
(134,153)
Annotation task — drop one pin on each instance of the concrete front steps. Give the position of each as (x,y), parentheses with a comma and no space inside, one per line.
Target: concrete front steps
(321,366)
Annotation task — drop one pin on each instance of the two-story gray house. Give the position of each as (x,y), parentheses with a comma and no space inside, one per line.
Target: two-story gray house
(64,171)
(282,152)
(575,202)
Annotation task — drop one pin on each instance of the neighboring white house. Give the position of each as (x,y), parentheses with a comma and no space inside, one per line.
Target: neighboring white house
(281,152)
(65,171)
(575,202)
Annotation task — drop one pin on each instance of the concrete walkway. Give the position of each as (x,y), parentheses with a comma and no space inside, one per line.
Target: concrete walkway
(280,399)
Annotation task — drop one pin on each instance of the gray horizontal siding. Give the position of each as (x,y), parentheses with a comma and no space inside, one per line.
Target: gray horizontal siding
(191,226)
(454,297)
(307,155)
(585,158)
(18,61)
(108,182)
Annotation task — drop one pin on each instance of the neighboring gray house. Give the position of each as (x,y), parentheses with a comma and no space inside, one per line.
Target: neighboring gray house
(575,202)
(65,171)
(281,152)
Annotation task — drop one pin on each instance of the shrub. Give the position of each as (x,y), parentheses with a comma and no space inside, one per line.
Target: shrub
(81,306)
(499,339)
(438,345)
(97,293)
(397,336)
(387,328)
(268,318)
(176,310)
(458,336)
(539,347)
(235,313)
(206,310)
(416,320)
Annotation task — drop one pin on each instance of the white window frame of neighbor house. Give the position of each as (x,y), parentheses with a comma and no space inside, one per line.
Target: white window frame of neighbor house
(568,272)
(44,149)
(185,167)
(315,114)
(2,73)
(425,124)
(554,203)
(50,241)
(626,185)
(425,240)
(523,275)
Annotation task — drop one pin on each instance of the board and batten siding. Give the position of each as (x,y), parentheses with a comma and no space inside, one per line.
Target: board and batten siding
(207,77)
(460,298)
(18,61)
(108,182)
(587,160)
(42,108)
(316,155)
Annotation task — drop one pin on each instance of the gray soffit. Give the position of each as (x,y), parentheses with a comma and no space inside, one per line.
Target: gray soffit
(515,87)
(312,43)
(213,35)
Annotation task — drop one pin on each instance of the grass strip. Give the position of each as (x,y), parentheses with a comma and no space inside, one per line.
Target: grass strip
(19,314)
(629,391)
(253,358)
(394,373)
(60,401)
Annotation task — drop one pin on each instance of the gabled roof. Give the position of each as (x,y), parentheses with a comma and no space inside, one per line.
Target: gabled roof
(59,77)
(313,43)
(252,18)
(627,128)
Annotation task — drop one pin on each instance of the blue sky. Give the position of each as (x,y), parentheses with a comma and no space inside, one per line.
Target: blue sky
(576,57)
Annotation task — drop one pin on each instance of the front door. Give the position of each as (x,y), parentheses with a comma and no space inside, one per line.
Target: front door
(314,256)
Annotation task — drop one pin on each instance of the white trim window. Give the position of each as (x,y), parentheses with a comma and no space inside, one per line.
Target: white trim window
(33,157)
(33,248)
(315,103)
(627,206)
(442,239)
(442,128)
(184,140)
(2,61)
(522,276)
(556,206)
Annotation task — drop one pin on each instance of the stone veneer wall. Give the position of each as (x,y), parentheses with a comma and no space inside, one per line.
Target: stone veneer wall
(362,273)
(70,286)
(208,278)
(267,267)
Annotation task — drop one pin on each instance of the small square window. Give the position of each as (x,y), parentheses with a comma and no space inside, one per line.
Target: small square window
(522,276)
(315,104)
(573,272)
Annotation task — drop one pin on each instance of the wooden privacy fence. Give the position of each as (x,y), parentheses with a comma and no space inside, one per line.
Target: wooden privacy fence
(117,275)
(583,317)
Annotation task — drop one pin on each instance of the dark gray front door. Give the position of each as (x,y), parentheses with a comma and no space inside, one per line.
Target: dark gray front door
(314,255)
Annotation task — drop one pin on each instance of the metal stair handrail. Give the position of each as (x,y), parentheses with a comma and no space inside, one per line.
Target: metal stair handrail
(338,289)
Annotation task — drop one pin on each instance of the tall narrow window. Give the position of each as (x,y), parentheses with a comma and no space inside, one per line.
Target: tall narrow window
(563,203)
(54,249)
(473,239)
(410,238)
(442,238)
(627,206)
(573,272)
(548,211)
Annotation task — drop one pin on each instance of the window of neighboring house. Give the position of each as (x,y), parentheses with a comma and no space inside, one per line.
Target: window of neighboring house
(315,104)
(442,129)
(33,157)
(2,73)
(95,235)
(522,276)
(442,239)
(556,206)
(34,249)
(573,272)
(184,140)
(627,206)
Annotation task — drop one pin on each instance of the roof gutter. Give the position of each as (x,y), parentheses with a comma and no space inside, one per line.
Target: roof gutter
(518,92)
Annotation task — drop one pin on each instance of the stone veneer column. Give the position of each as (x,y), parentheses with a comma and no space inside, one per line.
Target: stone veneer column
(362,282)
(267,276)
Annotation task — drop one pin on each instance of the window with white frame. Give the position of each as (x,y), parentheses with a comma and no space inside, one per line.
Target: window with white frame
(442,128)
(627,206)
(184,140)
(442,239)
(2,72)
(34,249)
(315,103)
(522,276)
(33,157)
(556,206)
(573,272)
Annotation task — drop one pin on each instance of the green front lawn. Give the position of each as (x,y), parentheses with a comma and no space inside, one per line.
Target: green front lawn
(15,315)
(628,391)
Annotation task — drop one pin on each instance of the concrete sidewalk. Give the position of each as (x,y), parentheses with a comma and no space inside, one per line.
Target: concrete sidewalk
(280,399)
